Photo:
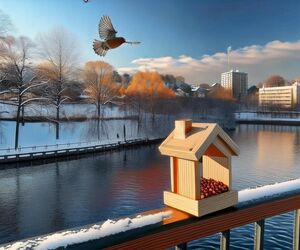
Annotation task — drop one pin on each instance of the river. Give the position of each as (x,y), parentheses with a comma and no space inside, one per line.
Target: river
(44,198)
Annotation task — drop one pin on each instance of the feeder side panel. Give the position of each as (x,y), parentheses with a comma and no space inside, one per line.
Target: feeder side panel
(188,178)
(217,168)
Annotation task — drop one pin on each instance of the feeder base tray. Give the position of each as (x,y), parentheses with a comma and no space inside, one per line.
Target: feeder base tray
(201,207)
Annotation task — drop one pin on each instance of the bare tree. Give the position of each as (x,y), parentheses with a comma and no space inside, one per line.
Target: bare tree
(5,23)
(99,85)
(15,56)
(5,26)
(59,65)
(274,81)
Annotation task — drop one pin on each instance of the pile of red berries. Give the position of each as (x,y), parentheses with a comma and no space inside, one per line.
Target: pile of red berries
(210,187)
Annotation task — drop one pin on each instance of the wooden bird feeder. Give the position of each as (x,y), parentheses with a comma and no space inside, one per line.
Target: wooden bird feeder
(197,151)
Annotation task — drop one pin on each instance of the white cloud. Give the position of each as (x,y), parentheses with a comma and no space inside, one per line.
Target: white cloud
(259,62)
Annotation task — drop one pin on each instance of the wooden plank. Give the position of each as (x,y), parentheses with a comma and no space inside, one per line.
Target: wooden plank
(174,151)
(230,173)
(191,229)
(213,151)
(228,141)
(225,240)
(217,202)
(197,179)
(172,174)
(201,207)
(187,180)
(181,202)
(296,238)
(220,145)
(259,236)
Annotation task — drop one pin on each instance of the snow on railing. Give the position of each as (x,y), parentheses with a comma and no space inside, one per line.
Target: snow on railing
(268,191)
(109,227)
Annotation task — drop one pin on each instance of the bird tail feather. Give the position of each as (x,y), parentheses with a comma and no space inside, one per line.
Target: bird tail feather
(99,48)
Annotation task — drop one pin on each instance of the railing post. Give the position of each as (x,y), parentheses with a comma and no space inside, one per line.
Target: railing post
(182,246)
(225,240)
(296,238)
(259,235)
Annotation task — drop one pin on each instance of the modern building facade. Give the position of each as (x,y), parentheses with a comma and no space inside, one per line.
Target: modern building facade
(285,96)
(236,82)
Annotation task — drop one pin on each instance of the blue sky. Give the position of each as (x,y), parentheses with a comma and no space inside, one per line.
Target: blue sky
(177,36)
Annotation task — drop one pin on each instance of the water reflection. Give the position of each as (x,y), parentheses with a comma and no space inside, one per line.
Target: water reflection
(40,199)
(275,149)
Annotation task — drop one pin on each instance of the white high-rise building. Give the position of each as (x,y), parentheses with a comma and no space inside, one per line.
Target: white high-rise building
(285,96)
(236,82)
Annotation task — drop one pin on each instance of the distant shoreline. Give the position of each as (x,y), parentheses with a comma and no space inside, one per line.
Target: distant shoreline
(269,122)
(66,119)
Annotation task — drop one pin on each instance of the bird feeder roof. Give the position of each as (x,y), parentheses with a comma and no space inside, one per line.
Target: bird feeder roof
(197,139)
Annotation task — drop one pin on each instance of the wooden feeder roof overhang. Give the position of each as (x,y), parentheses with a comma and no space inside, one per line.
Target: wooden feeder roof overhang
(192,140)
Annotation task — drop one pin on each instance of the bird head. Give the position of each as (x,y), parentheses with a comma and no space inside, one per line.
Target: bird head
(122,39)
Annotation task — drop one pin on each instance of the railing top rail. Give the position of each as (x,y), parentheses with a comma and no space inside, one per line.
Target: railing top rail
(184,228)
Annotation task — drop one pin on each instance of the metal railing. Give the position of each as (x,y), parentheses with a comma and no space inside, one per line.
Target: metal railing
(80,148)
(62,146)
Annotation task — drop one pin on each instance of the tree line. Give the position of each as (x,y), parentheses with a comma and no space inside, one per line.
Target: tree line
(48,72)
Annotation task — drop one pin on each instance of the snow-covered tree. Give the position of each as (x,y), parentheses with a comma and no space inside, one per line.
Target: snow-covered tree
(16,69)
(59,55)
(99,85)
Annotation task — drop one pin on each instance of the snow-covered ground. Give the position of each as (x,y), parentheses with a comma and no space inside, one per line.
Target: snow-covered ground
(111,227)
(67,111)
(42,134)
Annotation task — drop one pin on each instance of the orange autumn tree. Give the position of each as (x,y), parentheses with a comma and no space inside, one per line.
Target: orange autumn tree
(148,84)
(149,87)
(221,93)
(99,85)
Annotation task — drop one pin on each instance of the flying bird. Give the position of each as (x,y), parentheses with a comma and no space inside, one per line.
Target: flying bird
(108,34)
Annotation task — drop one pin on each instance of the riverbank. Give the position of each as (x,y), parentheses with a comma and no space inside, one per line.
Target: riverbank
(268,118)
(67,119)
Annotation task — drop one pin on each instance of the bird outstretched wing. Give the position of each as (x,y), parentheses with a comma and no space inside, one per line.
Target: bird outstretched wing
(106,29)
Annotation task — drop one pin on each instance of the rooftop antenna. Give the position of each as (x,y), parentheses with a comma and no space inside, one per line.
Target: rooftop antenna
(228,62)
